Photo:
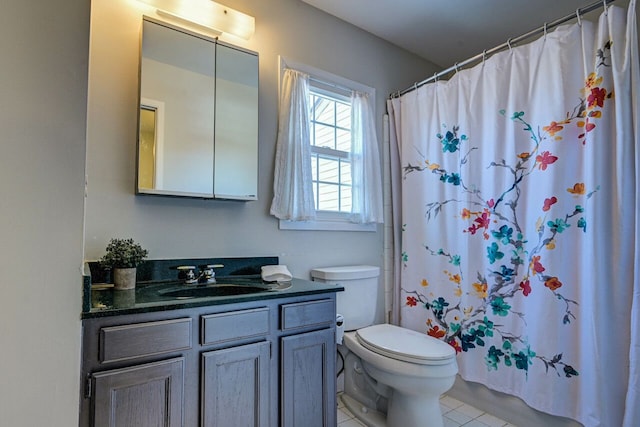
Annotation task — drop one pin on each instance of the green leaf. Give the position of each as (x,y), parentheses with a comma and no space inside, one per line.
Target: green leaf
(570,372)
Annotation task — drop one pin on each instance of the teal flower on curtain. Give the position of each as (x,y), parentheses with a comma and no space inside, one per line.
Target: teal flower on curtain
(503,234)
(500,307)
(450,141)
(559,225)
(582,223)
(493,253)
(453,178)
(493,357)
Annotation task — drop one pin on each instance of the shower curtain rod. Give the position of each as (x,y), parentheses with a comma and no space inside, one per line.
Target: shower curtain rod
(507,44)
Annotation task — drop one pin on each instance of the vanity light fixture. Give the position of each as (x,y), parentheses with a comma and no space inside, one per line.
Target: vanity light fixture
(206,13)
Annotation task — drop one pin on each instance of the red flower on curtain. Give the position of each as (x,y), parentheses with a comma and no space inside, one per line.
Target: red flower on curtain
(549,202)
(454,343)
(596,98)
(536,266)
(545,159)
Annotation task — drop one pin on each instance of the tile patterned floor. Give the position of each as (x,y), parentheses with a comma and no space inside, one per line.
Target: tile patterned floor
(456,414)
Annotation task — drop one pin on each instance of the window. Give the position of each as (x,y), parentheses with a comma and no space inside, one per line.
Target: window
(333,161)
(330,127)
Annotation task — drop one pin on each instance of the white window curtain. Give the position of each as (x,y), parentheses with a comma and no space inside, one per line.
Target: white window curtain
(292,183)
(365,163)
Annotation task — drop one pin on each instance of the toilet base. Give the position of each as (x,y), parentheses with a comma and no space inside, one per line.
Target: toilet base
(406,410)
(369,417)
(372,418)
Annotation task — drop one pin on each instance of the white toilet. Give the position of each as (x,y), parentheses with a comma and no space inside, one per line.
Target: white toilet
(394,377)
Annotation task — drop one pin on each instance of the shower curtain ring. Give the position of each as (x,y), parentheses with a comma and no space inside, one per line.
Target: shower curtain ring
(545,30)
(509,43)
(578,16)
(484,56)
(456,66)
(606,12)
(435,77)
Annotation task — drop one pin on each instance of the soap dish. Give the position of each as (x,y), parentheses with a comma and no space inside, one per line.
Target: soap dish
(101,286)
(279,286)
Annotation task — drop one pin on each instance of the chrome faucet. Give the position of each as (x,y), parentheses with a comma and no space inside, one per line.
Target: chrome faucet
(207,275)
(185,273)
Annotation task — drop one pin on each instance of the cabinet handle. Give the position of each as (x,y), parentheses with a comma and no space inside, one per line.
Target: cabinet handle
(88,387)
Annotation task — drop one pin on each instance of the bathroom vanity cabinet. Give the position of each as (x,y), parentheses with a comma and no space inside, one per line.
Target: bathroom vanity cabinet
(255,363)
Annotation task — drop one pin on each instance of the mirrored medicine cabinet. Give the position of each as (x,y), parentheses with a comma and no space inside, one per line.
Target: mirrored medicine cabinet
(198,116)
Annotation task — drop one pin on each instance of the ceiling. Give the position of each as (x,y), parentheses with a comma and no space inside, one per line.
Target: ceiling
(449,31)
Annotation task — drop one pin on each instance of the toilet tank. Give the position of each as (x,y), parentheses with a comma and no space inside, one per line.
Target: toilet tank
(357,304)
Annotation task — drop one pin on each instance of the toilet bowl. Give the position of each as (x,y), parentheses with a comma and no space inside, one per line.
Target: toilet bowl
(409,369)
(393,376)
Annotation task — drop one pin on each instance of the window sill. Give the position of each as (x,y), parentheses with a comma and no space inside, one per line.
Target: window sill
(326,225)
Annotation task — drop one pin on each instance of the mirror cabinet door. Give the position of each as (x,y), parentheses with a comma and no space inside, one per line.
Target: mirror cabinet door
(184,147)
(236,141)
(177,84)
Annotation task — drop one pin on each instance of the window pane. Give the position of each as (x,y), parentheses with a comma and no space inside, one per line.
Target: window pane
(343,140)
(324,110)
(343,115)
(324,136)
(328,170)
(328,197)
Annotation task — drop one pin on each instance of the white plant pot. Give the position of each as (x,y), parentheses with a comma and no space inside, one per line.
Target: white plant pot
(124,278)
(124,298)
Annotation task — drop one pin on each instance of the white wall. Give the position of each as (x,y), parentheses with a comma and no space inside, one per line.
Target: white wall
(175,228)
(43,82)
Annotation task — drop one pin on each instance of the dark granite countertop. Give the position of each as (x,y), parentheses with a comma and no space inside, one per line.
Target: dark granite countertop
(162,296)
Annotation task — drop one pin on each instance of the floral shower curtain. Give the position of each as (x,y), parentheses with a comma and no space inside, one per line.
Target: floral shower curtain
(520,228)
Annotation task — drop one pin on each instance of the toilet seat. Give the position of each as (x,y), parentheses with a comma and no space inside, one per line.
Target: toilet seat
(405,344)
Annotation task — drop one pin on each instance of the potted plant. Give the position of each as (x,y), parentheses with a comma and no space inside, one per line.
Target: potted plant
(123,256)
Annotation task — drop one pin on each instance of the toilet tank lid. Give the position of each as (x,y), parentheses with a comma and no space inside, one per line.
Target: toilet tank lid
(347,272)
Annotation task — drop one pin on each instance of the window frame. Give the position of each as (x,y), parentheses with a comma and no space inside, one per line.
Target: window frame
(334,86)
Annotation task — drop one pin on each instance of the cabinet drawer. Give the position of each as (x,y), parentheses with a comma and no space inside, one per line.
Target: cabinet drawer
(144,339)
(303,314)
(234,325)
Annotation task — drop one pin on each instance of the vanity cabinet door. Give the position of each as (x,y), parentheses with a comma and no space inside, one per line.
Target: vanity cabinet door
(235,386)
(149,395)
(308,390)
